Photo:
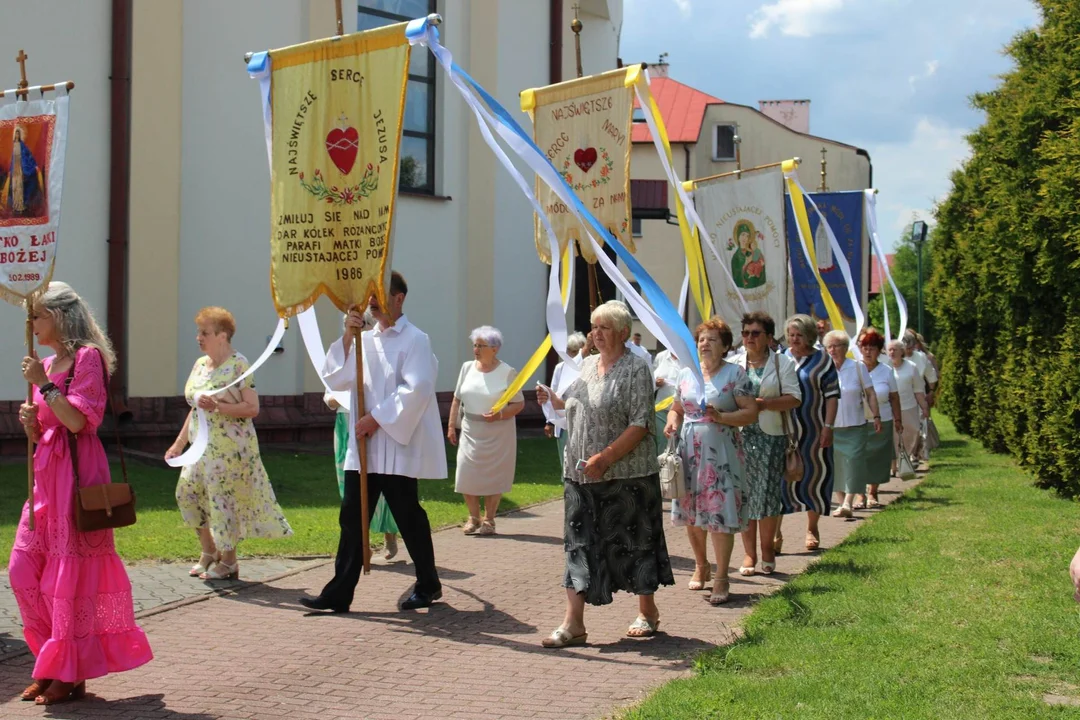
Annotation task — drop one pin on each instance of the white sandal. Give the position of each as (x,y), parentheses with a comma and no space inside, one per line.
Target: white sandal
(560,637)
(206,560)
(221,571)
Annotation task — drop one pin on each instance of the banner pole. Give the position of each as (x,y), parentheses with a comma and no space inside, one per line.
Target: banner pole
(361,448)
(594,286)
(30,400)
(740,173)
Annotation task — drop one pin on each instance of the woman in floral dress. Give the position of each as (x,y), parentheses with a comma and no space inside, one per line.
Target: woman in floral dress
(711,454)
(225,495)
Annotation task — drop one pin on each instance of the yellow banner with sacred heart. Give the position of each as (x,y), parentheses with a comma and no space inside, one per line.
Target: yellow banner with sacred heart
(337,107)
(583,126)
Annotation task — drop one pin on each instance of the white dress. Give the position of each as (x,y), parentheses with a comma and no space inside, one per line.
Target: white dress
(487,451)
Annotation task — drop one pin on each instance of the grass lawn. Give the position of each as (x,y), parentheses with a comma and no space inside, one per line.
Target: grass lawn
(955,602)
(307,490)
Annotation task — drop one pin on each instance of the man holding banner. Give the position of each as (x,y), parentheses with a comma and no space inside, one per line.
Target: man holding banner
(404,444)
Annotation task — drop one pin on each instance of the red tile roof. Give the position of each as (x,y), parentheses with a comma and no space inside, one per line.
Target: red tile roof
(875,286)
(681,106)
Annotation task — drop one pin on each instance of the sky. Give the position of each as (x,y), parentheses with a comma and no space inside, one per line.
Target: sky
(893,77)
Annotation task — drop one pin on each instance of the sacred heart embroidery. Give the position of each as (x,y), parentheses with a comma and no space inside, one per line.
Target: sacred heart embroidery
(585,158)
(342,144)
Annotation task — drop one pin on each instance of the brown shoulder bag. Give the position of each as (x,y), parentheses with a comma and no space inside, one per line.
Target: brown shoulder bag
(108,505)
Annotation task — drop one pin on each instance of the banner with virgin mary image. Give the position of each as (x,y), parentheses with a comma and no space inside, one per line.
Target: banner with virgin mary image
(336,108)
(33,140)
(745,220)
(583,126)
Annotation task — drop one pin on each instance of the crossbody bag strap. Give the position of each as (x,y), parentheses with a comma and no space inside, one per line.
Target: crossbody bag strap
(115,419)
(73,443)
(783,413)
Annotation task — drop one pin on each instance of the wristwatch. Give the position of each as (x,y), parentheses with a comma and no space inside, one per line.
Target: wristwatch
(829,426)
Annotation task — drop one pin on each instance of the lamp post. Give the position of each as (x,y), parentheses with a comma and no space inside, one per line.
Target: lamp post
(918,236)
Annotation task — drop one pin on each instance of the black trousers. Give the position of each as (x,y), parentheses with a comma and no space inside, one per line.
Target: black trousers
(403,499)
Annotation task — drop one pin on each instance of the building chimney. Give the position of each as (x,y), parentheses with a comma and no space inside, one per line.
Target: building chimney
(793,114)
(660,68)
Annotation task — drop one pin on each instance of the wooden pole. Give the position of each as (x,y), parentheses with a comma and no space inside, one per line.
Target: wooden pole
(29,400)
(594,284)
(361,449)
(340,24)
(741,172)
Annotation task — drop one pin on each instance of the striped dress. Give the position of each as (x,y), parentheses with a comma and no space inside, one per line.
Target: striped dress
(817,381)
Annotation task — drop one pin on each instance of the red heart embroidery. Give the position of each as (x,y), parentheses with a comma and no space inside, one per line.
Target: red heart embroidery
(585,158)
(342,145)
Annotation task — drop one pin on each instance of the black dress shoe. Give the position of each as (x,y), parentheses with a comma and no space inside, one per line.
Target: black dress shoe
(421,600)
(319,603)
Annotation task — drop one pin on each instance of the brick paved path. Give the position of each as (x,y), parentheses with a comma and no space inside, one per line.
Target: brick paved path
(255,654)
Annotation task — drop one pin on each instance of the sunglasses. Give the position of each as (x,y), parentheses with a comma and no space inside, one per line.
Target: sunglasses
(752,333)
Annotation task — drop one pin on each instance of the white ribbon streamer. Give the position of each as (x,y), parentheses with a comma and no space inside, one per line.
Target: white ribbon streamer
(684,291)
(202,435)
(870,216)
(313,343)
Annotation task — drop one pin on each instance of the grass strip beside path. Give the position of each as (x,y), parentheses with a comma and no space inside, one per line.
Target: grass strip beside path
(954,602)
(306,488)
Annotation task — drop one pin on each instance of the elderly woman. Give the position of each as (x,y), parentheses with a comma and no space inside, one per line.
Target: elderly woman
(574,344)
(911,390)
(880,449)
(814,420)
(226,495)
(666,369)
(73,592)
(613,531)
(487,447)
(715,503)
(775,386)
(850,433)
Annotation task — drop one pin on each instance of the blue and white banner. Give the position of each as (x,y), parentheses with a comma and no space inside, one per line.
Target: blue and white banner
(844,213)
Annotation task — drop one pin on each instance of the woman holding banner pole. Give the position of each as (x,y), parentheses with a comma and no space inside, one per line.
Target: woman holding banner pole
(226,495)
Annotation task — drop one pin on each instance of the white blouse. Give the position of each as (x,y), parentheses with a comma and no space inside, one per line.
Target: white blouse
(849,411)
(908,383)
(884,384)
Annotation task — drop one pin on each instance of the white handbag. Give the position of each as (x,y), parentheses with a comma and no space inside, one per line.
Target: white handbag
(905,469)
(672,474)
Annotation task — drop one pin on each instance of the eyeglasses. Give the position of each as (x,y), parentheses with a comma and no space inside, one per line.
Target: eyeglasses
(752,333)
(478,346)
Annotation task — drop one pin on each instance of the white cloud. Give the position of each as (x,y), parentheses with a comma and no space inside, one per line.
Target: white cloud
(914,174)
(931,67)
(684,7)
(931,70)
(799,18)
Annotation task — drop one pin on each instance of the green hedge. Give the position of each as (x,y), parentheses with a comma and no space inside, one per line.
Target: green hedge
(1005,289)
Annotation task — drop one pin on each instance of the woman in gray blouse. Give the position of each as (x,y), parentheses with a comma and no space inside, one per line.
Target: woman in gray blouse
(613,531)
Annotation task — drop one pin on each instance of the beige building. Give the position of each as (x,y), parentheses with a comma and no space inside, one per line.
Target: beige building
(702,130)
(166,197)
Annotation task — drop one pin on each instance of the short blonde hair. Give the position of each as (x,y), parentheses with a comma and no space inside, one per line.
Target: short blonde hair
(839,336)
(804,325)
(614,312)
(218,318)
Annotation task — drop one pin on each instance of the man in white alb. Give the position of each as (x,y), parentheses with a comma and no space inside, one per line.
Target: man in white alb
(404,443)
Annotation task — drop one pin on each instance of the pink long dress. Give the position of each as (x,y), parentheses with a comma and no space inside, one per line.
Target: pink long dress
(72,589)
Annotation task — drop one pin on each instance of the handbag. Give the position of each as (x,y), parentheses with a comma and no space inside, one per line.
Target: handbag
(794,467)
(108,505)
(932,440)
(867,412)
(905,469)
(672,474)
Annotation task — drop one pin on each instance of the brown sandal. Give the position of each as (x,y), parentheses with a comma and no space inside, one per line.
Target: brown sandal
(813,540)
(34,689)
(59,692)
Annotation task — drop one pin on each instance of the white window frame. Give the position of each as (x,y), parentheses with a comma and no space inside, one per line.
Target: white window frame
(735,132)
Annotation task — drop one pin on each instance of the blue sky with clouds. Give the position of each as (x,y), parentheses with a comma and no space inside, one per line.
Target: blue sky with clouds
(891,76)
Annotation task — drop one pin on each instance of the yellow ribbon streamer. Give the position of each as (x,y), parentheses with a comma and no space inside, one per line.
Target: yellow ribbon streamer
(665,404)
(541,353)
(699,281)
(798,203)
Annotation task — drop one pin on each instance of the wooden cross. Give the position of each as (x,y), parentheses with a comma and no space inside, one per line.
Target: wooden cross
(21,58)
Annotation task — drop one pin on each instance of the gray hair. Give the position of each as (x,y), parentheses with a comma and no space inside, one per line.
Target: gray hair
(909,340)
(75,323)
(488,334)
(574,343)
(838,335)
(614,312)
(895,343)
(804,325)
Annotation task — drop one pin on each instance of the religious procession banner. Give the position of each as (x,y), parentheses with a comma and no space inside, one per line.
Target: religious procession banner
(336,110)
(583,126)
(33,141)
(745,220)
(843,211)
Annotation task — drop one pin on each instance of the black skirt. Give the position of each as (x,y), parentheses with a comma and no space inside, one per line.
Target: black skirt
(613,535)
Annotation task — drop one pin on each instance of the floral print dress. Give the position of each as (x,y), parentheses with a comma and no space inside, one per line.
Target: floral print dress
(228,490)
(712,453)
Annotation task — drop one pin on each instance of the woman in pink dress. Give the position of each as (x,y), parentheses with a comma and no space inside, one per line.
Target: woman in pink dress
(73,592)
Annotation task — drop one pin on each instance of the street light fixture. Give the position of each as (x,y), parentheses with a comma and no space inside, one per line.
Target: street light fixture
(918,236)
